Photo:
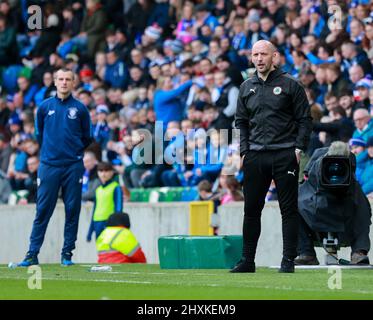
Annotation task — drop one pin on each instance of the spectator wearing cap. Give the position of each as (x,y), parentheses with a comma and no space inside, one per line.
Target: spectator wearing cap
(317,24)
(364,161)
(363,86)
(151,35)
(93,27)
(185,28)
(101,130)
(357,145)
(363,123)
(352,55)
(116,73)
(15,124)
(86,75)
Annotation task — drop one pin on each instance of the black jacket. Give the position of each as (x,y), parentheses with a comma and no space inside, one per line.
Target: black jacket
(273,114)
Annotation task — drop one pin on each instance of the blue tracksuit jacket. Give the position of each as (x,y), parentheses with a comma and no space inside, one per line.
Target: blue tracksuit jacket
(63,129)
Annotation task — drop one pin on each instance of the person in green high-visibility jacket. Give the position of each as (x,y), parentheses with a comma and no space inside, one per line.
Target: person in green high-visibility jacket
(117,243)
(108,199)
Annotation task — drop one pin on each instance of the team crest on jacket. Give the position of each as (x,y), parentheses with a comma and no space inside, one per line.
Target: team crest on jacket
(277,90)
(72,113)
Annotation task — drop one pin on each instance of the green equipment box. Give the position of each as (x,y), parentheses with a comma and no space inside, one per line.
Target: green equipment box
(199,252)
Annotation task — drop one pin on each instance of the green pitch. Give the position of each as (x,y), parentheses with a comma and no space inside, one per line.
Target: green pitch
(150,282)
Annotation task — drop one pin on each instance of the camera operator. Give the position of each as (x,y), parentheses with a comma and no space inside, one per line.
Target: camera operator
(332,202)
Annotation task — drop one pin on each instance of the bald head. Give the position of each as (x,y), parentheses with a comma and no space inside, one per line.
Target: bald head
(264,44)
(263,56)
(361,118)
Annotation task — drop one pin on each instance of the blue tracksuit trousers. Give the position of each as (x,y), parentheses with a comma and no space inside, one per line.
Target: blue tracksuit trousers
(50,179)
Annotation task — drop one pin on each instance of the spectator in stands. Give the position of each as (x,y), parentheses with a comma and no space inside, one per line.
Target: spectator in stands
(116,73)
(8,44)
(167,105)
(108,199)
(117,243)
(364,162)
(30,182)
(101,130)
(90,177)
(357,145)
(28,91)
(93,27)
(233,192)
(340,128)
(5,153)
(364,124)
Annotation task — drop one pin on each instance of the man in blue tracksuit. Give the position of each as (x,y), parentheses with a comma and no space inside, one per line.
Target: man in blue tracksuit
(63,129)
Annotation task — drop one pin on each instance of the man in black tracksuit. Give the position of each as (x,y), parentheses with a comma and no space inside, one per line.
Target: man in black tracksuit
(275,124)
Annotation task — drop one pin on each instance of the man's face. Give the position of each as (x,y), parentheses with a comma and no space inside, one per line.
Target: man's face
(89,161)
(219,79)
(346,102)
(136,56)
(331,103)
(111,58)
(105,175)
(363,93)
(369,31)
(262,57)
(32,164)
(205,66)
(64,82)
(22,83)
(356,73)
(361,120)
(135,74)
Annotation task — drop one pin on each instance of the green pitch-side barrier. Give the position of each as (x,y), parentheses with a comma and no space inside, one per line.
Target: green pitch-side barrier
(199,252)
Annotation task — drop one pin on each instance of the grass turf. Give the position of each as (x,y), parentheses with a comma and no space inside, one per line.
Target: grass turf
(142,282)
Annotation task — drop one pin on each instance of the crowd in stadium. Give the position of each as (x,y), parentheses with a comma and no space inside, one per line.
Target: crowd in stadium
(179,62)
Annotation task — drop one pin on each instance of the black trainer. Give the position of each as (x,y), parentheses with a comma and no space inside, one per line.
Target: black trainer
(243,266)
(287,266)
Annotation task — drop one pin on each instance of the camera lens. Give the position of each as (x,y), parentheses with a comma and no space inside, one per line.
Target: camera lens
(335,172)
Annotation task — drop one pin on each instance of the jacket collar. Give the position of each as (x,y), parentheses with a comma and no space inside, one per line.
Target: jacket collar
(272,75)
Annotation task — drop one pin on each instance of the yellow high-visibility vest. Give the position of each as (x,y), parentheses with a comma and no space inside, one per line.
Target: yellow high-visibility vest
(117,239)
(105,205)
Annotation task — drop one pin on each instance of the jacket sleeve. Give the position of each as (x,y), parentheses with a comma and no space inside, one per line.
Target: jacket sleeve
(242,123)
(86,127)
(39,125)
(302,115)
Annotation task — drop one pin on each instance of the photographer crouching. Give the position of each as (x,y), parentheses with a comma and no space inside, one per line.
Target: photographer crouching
(333,208)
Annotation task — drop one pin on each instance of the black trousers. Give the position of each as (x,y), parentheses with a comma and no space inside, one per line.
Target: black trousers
(260,167)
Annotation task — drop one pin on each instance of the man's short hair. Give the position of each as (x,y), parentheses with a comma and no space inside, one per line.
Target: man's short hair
(205,185)
(105,166)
